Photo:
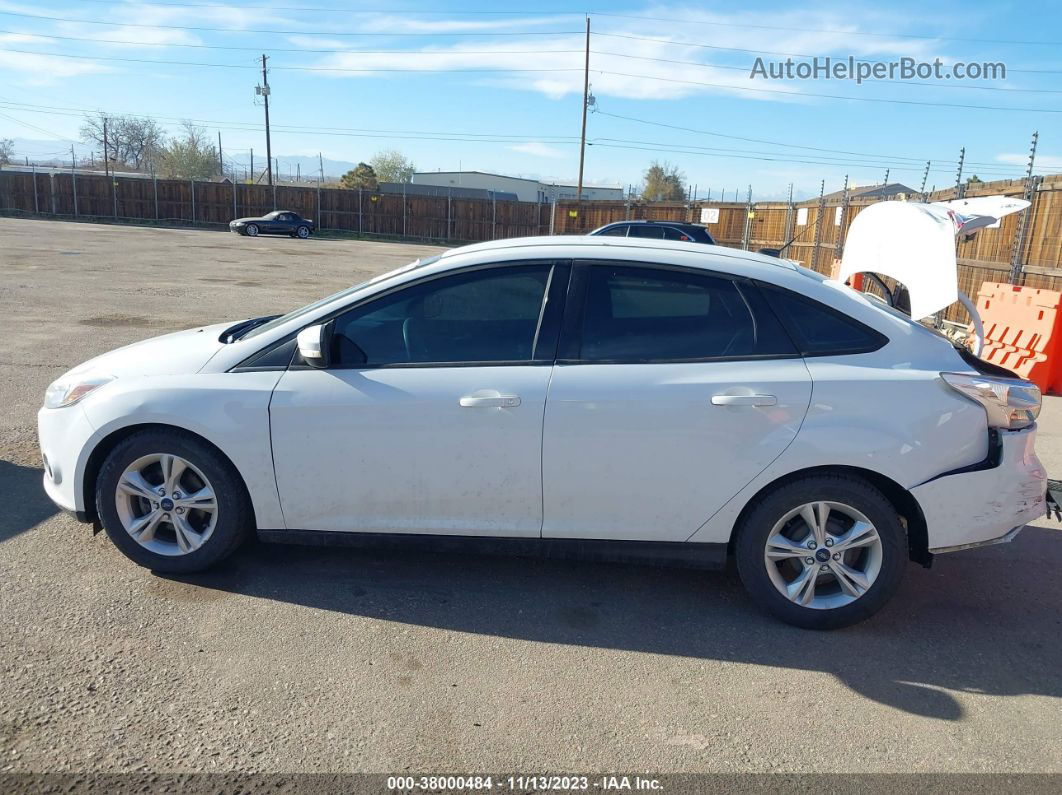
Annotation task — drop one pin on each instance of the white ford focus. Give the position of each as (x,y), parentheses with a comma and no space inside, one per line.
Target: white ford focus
(622,398)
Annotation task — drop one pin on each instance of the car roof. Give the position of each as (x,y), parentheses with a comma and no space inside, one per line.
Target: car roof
(709,257)
(652,221)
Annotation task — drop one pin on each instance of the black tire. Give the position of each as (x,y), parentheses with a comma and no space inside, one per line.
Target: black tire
(303,232)
(758,524)
(251,230)
(235,514)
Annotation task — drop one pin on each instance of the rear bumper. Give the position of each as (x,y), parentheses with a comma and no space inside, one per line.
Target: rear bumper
(986,506)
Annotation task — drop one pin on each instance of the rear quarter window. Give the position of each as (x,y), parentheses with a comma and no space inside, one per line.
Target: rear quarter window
(819,330)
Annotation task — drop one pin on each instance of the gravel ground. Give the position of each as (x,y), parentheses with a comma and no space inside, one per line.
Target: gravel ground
(300,659)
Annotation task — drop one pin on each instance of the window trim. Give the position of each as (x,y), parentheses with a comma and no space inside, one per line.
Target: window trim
(546,331)
(770,291)
(569,351)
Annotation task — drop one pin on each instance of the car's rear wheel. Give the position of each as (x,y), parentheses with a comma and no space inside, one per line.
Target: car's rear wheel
(171,502)
(303,232)
(822,552)
(252,230)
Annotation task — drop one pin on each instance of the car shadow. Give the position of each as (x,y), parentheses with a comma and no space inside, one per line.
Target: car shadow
(25,505)
(984,621)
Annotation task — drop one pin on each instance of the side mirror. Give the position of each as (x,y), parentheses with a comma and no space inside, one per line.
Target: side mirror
(314,344)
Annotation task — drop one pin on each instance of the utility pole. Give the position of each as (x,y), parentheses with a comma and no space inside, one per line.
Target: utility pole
(263,90)
(1016,266)
(925,176)
(221,157)
(253,180)
(885,184)
(747,231)
(106,168)
(586,97)
(958,174)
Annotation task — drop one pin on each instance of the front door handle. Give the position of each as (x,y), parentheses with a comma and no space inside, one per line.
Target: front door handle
(744,400)
(493,401)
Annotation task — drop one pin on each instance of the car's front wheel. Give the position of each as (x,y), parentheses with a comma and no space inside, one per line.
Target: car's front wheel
(822,552)
(172,503)
(251,230)
(303,232)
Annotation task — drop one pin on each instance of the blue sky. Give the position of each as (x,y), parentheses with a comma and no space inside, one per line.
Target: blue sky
(501,90)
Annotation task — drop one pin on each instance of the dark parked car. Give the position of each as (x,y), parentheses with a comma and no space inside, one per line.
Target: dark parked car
(278,222)
(657,230)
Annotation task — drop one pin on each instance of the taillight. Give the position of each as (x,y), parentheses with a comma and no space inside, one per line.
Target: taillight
(1010,403)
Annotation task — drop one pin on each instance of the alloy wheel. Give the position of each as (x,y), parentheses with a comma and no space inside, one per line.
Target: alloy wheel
(166,504)
(823,555)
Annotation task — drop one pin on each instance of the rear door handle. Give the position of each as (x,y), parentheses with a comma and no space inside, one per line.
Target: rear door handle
(744,400)
(494,401)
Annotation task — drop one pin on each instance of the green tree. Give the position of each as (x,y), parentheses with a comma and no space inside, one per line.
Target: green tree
(362,176)
(189,155)
(974,180)
(7,150)
(663,182)
(391,165)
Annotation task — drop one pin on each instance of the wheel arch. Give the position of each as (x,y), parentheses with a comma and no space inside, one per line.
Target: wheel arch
(905,503)
(104,447)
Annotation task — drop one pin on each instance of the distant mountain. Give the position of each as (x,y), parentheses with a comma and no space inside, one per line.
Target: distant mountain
(295,165)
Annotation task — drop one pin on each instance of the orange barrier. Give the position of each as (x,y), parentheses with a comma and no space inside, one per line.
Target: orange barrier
(1022,331)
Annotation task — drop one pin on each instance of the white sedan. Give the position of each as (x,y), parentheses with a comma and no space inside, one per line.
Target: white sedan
(619,398)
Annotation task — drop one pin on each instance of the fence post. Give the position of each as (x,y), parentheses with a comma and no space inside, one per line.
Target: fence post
(403,209)
(73,180)
(818,225)
(360,223)
(155,188)
(36,206)
(114,193)
(1017,262)
(320,223)
(553,216)
(449,216)
(838,250)
(493,216)
(235,212)
(193,201)
(51,190)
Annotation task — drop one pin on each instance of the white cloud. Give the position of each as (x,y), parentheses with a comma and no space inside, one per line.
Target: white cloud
(1042,161)
(538,149)
(42,70)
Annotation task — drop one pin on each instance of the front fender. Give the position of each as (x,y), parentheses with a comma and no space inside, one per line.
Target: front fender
(229,410)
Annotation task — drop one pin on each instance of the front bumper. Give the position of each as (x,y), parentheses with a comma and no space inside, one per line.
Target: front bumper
(64,436)
(986,506)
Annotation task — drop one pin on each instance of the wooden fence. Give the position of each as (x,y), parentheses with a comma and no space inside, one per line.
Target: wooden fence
(813,236)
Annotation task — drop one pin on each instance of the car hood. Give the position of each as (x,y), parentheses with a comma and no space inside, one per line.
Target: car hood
(244,220)
(180,353)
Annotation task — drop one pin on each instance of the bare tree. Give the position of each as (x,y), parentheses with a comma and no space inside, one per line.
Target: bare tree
(132,141)
(7,151)
(391,165)
(190,155)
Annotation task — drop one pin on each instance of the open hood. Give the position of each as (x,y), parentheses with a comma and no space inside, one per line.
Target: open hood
(915,244)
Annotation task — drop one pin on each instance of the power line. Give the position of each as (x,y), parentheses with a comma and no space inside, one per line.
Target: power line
(287,32)
(788,28)
(529,12)
(284,68)
(898,82)
(748,139)
(309,50)
(680,43)
(831,96)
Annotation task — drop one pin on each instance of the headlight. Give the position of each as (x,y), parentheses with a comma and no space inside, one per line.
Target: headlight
(1010,403)
(69,390)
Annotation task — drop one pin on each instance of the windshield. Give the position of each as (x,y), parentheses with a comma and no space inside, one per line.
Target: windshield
(280,321)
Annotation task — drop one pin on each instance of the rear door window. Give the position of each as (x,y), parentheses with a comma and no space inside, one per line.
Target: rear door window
(644,314)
